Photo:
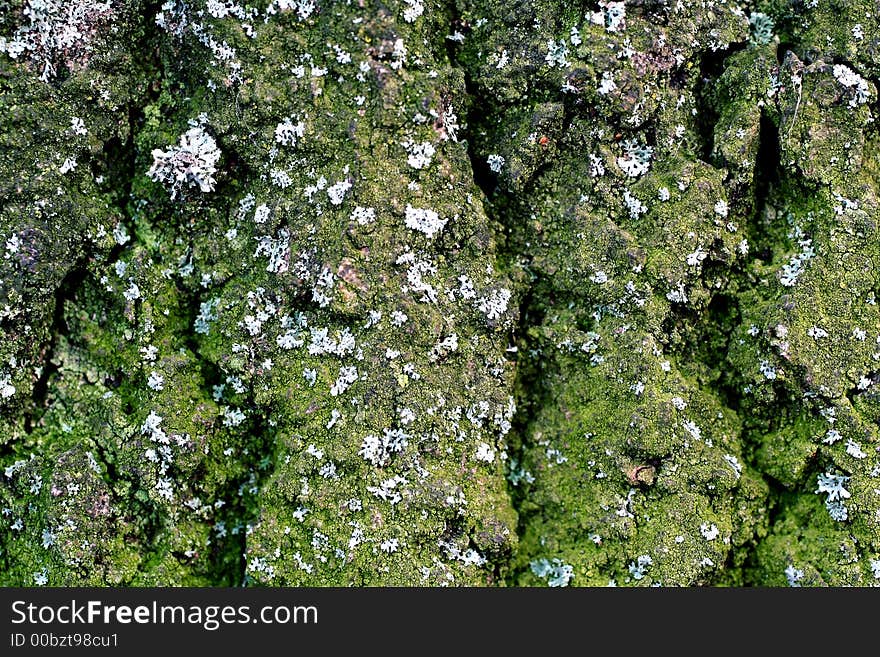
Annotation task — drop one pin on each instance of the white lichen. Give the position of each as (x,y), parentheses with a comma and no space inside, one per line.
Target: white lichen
(192,163)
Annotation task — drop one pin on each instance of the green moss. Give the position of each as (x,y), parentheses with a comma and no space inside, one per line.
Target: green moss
(639,373)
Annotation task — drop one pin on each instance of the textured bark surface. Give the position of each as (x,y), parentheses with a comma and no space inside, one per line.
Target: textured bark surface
(439,293)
